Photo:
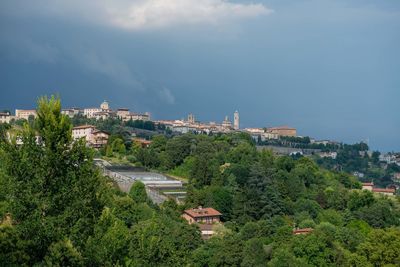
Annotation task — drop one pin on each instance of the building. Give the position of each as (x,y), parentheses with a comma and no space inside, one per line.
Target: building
(384,191)
(142,142)
(303,231)
(332,154)
(90,112)
(71,112)
(68,112)
(105,106)
(227,124)
(368,186)
(191,118)
(206,218)
(139,117)
(99,139)
(236,125)
(388,158)
(202,215)
(282,131)
(103,115)
(358,174)
(93,137)
(5,117)
(25,113)
(123,113)
(396,177)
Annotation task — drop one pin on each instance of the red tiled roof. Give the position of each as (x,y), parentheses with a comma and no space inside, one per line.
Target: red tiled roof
(202,212)
(383,190)
(302,231)
(142,141)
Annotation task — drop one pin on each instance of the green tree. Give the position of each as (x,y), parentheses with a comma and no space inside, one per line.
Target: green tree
(63,253)
(138,192)
(382,247)
(110,242)
(54,189)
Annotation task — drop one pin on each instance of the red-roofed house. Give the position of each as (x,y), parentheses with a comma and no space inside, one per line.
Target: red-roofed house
(206,218)
(93,137)
(385,191)
(142,142)
(302,231)
(202,215)
(368,186)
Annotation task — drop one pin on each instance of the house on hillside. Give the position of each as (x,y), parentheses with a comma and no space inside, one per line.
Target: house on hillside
(94,138)
(385,191)
(205,218)
(302,231)
(368,186)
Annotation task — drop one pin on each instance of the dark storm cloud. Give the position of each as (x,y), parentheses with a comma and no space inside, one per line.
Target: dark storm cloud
(329,68)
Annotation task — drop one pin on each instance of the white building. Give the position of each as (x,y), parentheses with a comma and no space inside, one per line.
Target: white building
(71,112)
(93,137)
(139,117)
(84,131)
(90,112)
(105,106)
(5,117)
(227,123)
(368,186)
(331,155)
(68,112)
(123,113)
(388,158)
(25,113)
(236,125)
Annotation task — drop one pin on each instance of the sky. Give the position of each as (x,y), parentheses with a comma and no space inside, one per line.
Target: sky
(330,68)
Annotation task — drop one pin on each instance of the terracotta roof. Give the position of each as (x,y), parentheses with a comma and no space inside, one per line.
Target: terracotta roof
(83,127)
(142,141)
(202,212)
(383,190)
(368,184)
(302,231)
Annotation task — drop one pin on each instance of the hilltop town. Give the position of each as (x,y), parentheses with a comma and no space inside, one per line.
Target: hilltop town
(97,126)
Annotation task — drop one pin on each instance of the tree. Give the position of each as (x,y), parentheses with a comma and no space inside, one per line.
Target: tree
(382,247)
(54,188)
(138,192)
(109,243)
(161,241)
(63,253)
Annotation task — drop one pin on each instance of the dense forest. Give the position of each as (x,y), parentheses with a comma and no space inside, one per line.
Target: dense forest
(56,208)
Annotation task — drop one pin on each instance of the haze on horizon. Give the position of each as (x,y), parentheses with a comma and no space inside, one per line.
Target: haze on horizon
(328,68)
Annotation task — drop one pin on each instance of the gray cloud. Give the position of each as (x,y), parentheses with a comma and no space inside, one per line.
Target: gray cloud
(139,14)
(109,66)
(166,95)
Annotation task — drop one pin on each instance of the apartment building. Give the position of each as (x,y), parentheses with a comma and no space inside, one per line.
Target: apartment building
(25,113)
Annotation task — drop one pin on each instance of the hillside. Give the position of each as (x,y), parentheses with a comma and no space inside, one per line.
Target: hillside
(58,210)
